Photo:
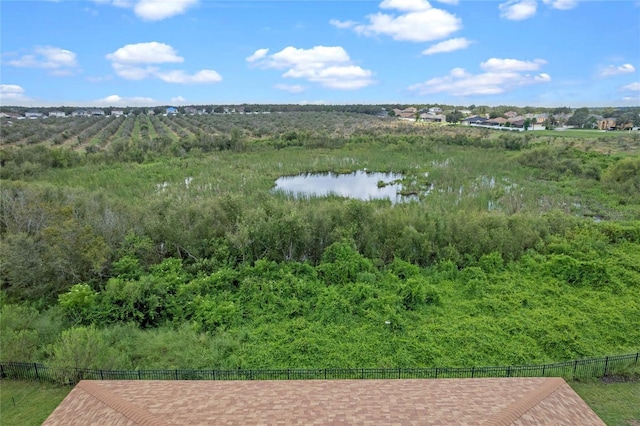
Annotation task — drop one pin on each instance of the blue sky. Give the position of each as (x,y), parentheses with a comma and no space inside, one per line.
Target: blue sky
(461,52)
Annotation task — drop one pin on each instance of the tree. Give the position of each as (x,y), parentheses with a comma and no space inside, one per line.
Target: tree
(527,124)
(454,117)
(579,117)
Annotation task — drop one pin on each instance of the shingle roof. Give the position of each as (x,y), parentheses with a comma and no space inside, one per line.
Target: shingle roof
(497,401)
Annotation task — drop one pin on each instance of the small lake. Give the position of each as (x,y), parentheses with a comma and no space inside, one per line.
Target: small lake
(360,185)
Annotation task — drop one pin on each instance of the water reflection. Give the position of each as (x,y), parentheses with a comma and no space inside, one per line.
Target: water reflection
(360,185)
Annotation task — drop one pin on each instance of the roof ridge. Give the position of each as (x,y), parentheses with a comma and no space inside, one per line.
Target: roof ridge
(134,413)
(516,409)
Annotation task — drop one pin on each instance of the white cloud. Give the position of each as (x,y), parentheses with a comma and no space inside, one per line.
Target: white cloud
(417,21)
(178,100)
(156,10)
(329,66)
(257,55)
(561,4)
(517,10)
(635,99)
(452,2)
(615,70)
(447,46)
(201,77)
(145,53)
(141,60)
(405,5)
(343,24)
(12,94)
(58,61)
(511,65)
(634,87)
(115,100)
(498,79)
(291,88)
(153,10)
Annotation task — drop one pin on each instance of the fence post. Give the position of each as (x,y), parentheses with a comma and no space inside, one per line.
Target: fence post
(101,375)
(139,375)
(2,374)
(575,367)
(544,367)
(606,364)
(473,371)
(176,374)
(398,372)
(509,371)
(35,367)
(436,372)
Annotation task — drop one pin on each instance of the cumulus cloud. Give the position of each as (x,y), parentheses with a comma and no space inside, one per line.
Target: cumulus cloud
(145,53)
(509,65)
(447,46)
(181,77)
(291,88)
(518,10)
(58,61)
(501,76)
(142,60)
(153,10)
(615,70)
(257,55)
(329,66)
(116,100)
(634,87)
(561,4)
(12,94)
(409,20)
(178,100)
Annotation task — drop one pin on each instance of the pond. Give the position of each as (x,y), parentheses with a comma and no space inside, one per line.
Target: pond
(360,185)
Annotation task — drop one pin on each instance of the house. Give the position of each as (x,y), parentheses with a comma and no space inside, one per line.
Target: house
(433,118)
(32,114)
(510,114)
(117,112)
(80,113)
(494,401)
(607,124)
(96,113)
(540,118)
(435,110)
(190,111)
(151,112)
(240,110)
(498,121)
(202,111)
(57,114)
(172,111)
(11,115)
(476,119)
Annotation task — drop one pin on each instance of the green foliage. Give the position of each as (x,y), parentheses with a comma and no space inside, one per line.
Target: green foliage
(341,264)
(79,304)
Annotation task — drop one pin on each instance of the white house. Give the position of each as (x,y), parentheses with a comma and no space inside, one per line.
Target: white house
(117,112)
(57,114)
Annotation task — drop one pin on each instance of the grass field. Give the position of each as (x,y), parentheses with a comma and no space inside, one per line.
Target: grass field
(30,403)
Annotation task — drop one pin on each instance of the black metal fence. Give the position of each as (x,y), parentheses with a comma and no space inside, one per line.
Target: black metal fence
(583,368)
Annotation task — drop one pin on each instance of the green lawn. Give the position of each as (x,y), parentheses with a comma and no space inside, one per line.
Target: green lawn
(28,403)
(617,404)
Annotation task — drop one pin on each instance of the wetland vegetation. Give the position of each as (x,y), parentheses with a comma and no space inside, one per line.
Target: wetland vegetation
(159,242)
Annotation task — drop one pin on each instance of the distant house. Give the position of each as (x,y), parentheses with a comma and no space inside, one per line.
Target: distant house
(11,115)
(172,110)
(476,119)
(96,113)
(190,111)
(240,110)
(435,110)
(57,114)
(607,124)
(33,114)
(510,114)
(433,118)
(202,111)
(151,112)
(117,112)
(498,121)
(80,113)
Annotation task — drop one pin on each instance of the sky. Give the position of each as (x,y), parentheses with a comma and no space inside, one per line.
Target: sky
(138,53)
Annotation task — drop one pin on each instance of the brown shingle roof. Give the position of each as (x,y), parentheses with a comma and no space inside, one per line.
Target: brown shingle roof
(499,401)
